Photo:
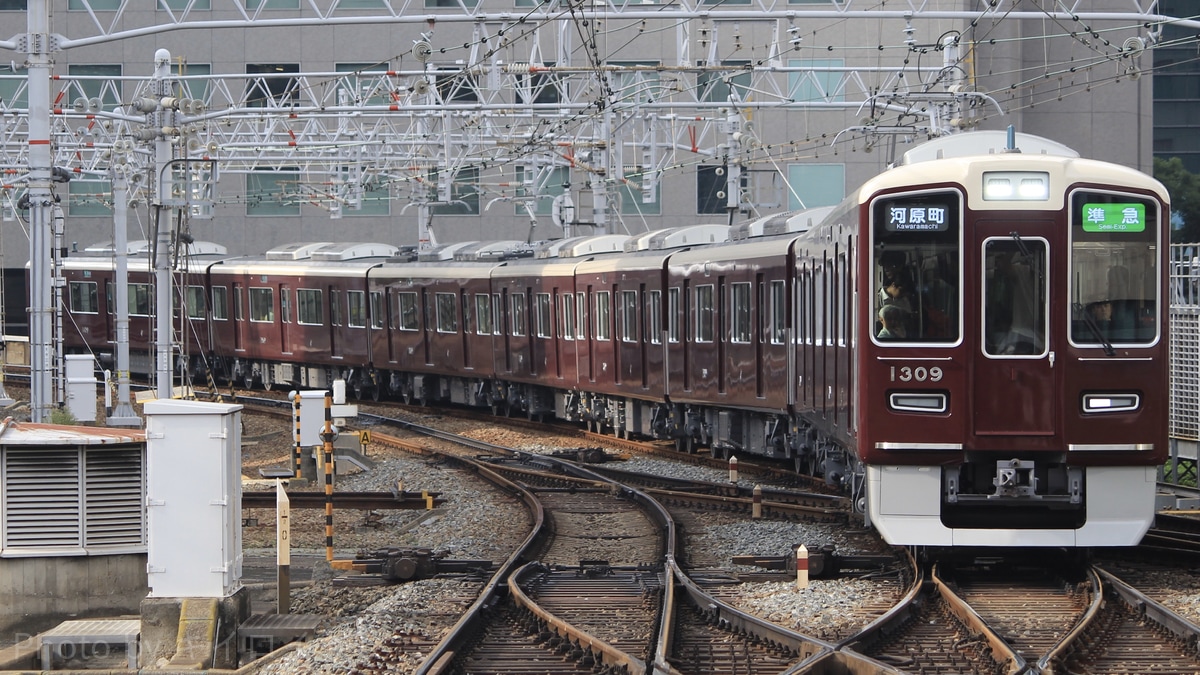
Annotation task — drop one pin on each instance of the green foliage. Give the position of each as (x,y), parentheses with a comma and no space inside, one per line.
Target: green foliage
(62,416)
(1184,187)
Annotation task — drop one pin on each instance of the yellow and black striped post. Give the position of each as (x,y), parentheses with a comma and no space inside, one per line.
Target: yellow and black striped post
(327,437)
(297,454)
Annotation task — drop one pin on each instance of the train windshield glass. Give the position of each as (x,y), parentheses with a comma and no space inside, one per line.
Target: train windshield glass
(1114,269)
(1015,293)
(916,239)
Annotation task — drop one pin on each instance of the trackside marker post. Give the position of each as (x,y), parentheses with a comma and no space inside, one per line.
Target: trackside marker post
(733,477)
(801,567)
(283,547)
(756,502)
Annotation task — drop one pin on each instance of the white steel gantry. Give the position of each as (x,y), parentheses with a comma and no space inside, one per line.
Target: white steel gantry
(626,92)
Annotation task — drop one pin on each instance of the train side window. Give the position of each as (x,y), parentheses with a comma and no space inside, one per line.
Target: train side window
(139,299)
(308,307)
(84,296)
(447,317)
(262,305)
(195,302)
(357,302)
(407,310)
(220,303)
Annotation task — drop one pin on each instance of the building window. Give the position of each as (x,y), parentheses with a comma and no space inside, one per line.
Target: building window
(89,197)
(270,85)
(719,86)
(464,193)
(634,82)
(546,183)
(455,85)
(539,88)
(14,92)
(253,5)
(711,184)
(177,6)
(815,185)
(816,85)
(310,311)
(636,198)
(272,193)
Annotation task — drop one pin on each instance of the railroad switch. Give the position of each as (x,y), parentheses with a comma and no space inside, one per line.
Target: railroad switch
(586,455)
(823,562)
(396,565)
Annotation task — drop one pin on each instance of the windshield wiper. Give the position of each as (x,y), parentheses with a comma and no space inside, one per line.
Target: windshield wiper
(1095,328)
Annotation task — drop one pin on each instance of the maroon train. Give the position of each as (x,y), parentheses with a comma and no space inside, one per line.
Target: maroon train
(973,344)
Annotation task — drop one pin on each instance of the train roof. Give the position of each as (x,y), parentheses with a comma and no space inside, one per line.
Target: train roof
(639,261)
(259,265)
(677,237)
(745,249)
(330,251)
(578,247)
(1064,171)
(780,223)
(143,246)
(449,269)
(480,251)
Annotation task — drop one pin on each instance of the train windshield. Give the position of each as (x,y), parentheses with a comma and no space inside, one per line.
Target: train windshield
(915,263)
(1114,281)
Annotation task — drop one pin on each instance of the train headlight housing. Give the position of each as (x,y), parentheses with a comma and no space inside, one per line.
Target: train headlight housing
(1107,403)
(1020,186)
(919,402)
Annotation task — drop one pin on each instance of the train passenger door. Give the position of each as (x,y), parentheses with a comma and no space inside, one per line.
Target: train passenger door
(335,322)
(285,319)
(1016,364)
(239,315)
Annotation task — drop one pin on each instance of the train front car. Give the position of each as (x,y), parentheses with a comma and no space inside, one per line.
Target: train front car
(1013,384)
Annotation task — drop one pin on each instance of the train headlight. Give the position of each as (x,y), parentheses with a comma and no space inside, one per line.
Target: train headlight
(1020,186)
(922,402)
(1103,403)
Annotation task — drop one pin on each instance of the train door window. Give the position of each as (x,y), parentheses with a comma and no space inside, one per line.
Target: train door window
(466,314)
(567,318)
(239,313)
(220,303)
(673,315)
(262,305)
(704,313)
(654,318)
(139,299)
(357,302)
(497,315)
(603,315)
(518,314)
(544,317)
(285,304)
(581,316)
(335,306)
(309,310)
(739,318)
(406,309)
(1114,282)
(629,316)
(778,327)
(483,310)
(1015,297)
(377,318)
(84,297)
(108,296)
(195,302)
(447,316)
(916,267)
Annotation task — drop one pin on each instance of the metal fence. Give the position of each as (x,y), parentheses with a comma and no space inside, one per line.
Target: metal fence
(1185,348)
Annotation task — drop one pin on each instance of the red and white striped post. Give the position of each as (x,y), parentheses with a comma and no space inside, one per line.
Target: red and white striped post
(756,502)
(801,567)
(733,477)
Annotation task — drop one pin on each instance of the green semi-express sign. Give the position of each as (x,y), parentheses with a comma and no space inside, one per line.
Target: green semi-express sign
(1114,217)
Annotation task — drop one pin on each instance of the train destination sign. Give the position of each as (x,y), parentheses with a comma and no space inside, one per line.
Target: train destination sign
(916,218)
(1114,217)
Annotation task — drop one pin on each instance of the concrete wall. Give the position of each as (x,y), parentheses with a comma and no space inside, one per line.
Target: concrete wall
(39,593)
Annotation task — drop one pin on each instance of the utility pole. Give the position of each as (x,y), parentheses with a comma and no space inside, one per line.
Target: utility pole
(39,44)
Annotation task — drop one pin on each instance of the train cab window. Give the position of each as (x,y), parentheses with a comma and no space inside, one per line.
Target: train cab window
(195,302)
(262,305)
(406,309)
(447,314)
(309,308)
(1114,284)
(358,308)
(1015,297)
(84,297)
(916,268)
(220,303)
